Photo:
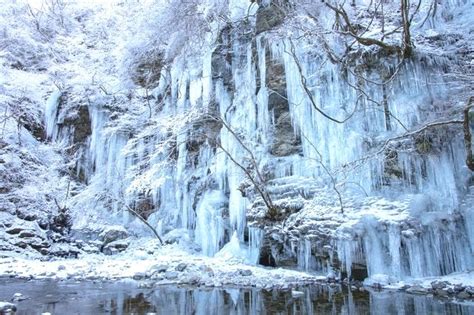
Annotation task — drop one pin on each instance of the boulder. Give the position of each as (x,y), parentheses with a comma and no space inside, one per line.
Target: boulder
(92,247)
(470,290)
(159,268)
(18,297)
(36,243)
(463,295)
(20,243)
(113,233)
(6,308)
(64,250)
(14,230)
(181,267)
(441,292)
(24,234)
(115,247)
(438,285)
(458,288)
(194,280)
(416,289)
(139,276)
(156,276)
(171,275)
(245,272)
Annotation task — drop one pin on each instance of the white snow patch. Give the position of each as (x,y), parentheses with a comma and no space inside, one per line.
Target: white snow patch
(213,272)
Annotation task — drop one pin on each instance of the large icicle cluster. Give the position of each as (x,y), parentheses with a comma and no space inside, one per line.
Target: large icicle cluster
(345,196)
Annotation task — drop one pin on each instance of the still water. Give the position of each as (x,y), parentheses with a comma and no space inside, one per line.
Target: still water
(126,298)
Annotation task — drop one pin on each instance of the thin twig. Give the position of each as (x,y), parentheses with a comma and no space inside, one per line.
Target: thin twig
(326,169)
(310,95)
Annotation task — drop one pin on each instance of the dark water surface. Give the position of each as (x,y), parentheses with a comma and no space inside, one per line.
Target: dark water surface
(126,298)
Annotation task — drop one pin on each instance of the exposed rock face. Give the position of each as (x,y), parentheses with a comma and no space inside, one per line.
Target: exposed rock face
(43,237)
(270,16)
(285,141)
(74,122)
(148,71)
(144,206)
(30,220)
(81,123)
(222,57)
(31,123)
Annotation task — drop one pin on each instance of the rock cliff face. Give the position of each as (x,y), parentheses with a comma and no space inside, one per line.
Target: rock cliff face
(314,151)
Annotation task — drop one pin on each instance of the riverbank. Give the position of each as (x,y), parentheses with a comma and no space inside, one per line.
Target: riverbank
(168,265)
(152,266)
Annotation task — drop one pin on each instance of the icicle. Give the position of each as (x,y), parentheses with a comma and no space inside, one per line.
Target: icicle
(209,222)
(255,239)
(263,115)
(394,250)
(51,113)
(305,260)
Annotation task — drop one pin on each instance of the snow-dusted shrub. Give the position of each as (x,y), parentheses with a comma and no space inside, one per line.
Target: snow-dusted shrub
(20,48)
(167,30)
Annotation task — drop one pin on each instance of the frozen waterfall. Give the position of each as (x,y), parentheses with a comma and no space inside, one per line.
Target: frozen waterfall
(183,160)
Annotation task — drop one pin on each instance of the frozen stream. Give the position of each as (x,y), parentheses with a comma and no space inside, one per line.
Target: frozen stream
(126,297)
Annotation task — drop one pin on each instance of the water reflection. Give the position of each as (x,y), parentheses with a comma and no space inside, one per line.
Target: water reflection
(126,298)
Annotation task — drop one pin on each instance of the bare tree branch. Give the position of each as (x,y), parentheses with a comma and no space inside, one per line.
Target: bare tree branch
(135,213)
(351,31)
(308,92)
(258,181)
(328,172)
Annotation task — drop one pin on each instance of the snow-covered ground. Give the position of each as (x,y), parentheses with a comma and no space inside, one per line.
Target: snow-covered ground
(152,265)
(166,265)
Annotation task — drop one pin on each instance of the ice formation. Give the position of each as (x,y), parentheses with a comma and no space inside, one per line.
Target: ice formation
(195,184)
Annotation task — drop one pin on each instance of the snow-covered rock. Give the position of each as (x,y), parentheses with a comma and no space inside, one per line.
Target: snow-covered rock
(115,247)
(113,233)
(7,308)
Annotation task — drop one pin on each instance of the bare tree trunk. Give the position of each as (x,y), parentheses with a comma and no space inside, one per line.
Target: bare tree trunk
(382,19)
(407,47)
(257,180)
(468,136)
(121,200)
(147,96)
(132,211)
(386,109)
